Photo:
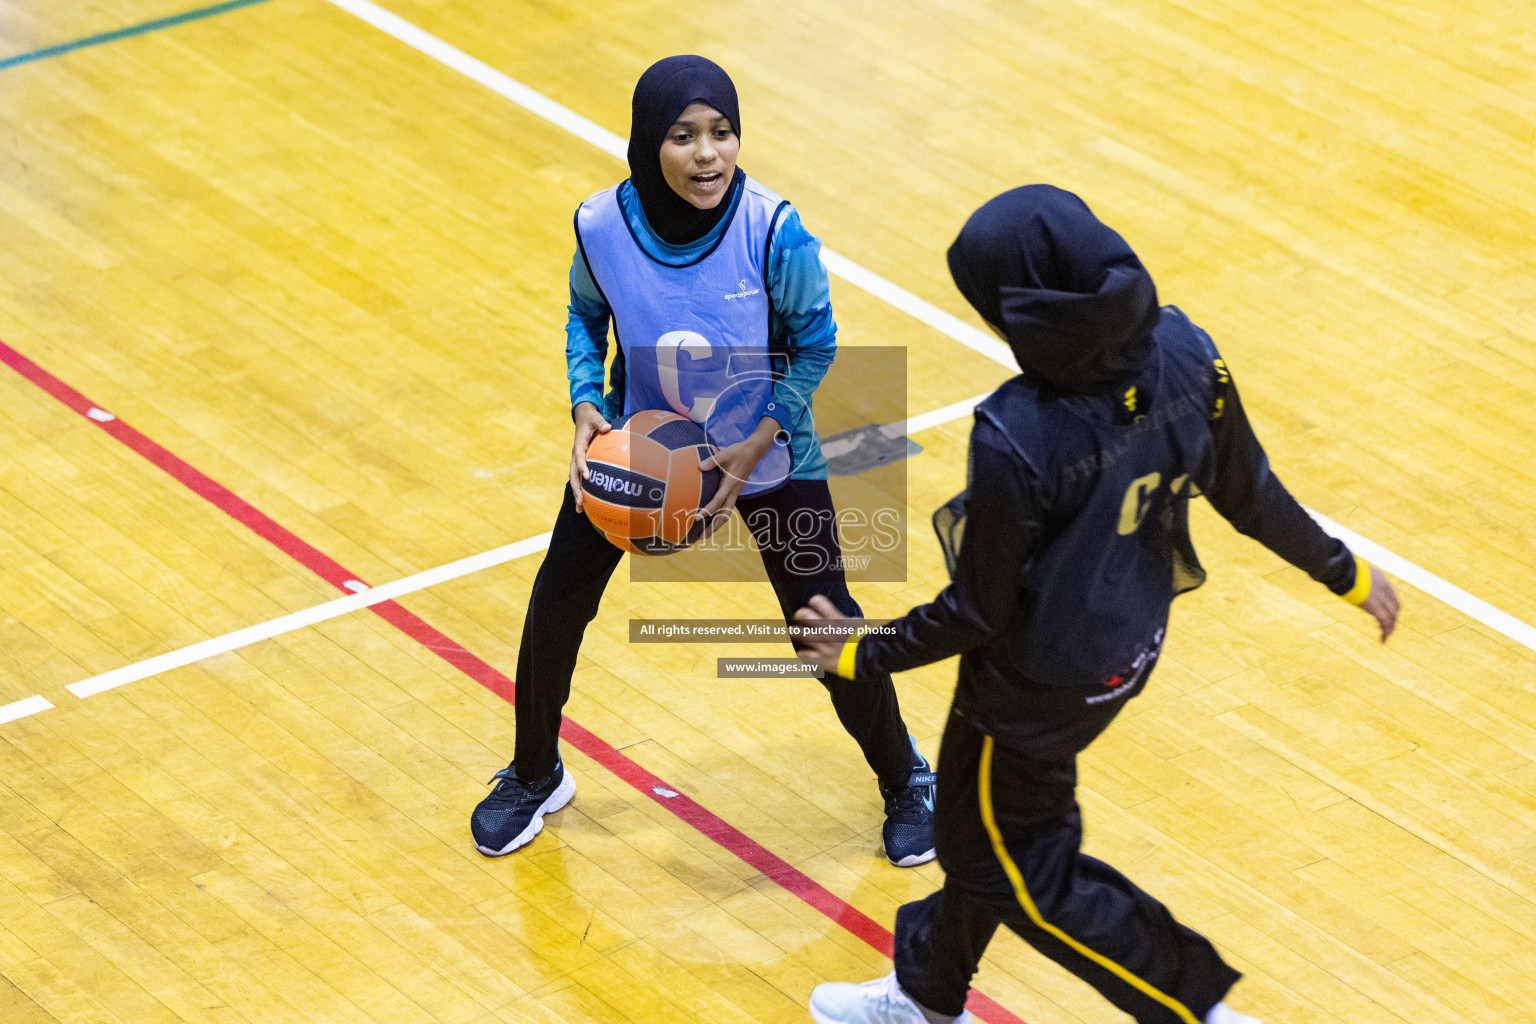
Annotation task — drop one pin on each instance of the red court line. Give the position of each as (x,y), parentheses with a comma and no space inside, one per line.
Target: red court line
(784,874)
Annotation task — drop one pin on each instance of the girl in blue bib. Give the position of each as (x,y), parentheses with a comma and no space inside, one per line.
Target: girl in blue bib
(703,273)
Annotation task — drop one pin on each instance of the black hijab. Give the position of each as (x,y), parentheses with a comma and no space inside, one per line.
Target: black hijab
(1077,306)
(664,92)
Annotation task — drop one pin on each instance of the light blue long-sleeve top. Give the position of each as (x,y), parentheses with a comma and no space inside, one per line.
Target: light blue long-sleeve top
(801,322)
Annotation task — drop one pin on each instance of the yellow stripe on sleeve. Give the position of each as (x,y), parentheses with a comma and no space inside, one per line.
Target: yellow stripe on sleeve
(1362,588)
(848,659)
(984,787)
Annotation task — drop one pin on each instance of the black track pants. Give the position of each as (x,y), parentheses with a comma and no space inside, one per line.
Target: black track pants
(1008,831)
(569,587)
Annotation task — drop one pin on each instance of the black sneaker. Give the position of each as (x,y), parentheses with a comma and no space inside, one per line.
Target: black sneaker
(514,811)
(908,829)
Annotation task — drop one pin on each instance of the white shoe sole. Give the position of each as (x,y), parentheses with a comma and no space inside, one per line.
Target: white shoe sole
(912,860)
(915,859)
(820,1018)
(556,800)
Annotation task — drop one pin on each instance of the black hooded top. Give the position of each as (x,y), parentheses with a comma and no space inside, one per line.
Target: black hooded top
(1075,303)
(1054,470)
(662,94)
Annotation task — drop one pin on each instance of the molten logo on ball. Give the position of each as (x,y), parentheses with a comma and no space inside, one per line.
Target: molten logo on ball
(645,488)
(613,485)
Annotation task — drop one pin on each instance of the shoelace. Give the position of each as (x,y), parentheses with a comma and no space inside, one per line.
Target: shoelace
(507,779)
(897,1007)
(894,1004)
(909,796)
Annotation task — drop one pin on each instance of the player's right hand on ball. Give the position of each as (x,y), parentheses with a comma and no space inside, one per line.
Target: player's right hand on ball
(589,423)
(1382,603)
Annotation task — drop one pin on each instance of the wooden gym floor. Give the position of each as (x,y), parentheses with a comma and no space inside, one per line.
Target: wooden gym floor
(328,273)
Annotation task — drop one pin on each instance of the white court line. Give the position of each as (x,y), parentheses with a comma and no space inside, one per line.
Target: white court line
(1372,552)
(613,145)
(1397,565)
(22,708)
(895,295)
(307,617)
(936,418)
(919,309)
(383,592)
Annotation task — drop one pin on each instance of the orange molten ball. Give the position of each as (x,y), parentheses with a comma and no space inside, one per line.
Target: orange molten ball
(644,487)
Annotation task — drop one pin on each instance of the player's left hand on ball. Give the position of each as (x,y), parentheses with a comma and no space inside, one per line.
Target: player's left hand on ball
(735,463)
(821,610)
(718,511)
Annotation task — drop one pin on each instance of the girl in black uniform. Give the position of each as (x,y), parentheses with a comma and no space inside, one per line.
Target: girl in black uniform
(1065,554)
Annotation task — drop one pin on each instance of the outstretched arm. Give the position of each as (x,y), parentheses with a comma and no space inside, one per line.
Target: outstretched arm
(1247,492)
(1002,525)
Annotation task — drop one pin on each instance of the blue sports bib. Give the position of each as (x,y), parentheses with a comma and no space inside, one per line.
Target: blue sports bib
(694,338)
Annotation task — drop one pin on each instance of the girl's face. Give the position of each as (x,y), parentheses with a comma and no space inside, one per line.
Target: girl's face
(698,156)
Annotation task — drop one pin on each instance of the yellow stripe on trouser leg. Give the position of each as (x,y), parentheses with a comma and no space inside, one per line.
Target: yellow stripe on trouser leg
(1021,893)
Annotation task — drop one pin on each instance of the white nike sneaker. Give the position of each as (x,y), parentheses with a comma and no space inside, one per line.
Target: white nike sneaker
(1221,1013)
(875,1002)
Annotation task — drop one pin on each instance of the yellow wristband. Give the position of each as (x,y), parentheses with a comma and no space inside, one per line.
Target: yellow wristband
(1362,588)
(847,659)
